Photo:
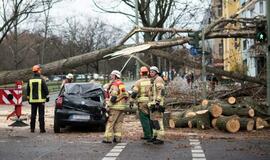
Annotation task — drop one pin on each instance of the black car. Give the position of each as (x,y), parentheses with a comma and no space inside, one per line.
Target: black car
(80,104)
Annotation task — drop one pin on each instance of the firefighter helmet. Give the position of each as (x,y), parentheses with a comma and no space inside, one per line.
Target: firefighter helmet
(154,68)
(116,73)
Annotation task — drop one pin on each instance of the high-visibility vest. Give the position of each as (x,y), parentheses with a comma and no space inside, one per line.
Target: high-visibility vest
(121,94)
(36,91)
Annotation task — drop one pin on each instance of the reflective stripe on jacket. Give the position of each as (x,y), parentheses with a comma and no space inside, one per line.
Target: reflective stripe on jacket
(156,91)
(36,91)
(118,89)
(142,87)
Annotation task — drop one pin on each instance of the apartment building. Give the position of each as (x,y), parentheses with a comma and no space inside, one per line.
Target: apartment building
(253,55)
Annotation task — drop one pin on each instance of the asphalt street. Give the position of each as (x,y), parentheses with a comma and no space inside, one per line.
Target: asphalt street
(85,144)
(71,146)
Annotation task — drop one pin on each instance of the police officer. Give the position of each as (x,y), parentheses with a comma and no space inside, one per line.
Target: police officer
(37,92)
(140,91)
(156,105)
(117,104)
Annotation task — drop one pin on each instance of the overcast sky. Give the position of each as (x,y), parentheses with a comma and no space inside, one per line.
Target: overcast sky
(86,8)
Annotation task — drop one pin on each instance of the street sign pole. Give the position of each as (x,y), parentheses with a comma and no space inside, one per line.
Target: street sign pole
(203,65)
(268,54)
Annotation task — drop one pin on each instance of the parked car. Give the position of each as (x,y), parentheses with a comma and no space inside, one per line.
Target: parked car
(80,104)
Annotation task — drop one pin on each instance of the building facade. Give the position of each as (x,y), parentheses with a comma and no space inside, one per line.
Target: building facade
(253,55)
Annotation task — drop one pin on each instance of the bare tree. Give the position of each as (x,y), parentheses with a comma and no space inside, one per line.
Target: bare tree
(16,11)
(47,5)
(157,13)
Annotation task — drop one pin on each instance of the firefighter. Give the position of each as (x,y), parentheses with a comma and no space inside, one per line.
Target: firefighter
(69,79)
(140,93)
(156,105)
(118,97)
(37,95)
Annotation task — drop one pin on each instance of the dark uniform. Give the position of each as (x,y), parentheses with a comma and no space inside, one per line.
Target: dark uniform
(37,91)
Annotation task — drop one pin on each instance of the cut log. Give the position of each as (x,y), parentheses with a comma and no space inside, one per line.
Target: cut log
(261,110)
(202,119)
(177,115)
(192,123)
(230,124)
(190,114)
(229,110)
(231,100)
(205,102)
(246,124)
(214,123)
(215,110)
(259,123)
(182,122)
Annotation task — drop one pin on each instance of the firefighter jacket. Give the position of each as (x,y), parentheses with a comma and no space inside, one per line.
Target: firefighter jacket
(37,90)
(142,88)
(117,89)
(157,91)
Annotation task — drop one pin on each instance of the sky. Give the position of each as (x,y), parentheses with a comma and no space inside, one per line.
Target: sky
(86,8)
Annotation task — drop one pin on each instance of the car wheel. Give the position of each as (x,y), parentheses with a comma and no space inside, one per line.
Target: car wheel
(56,126)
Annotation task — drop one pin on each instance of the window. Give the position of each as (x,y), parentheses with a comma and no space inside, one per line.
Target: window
(219,10)
(261,6)
(245,44)
(220,48)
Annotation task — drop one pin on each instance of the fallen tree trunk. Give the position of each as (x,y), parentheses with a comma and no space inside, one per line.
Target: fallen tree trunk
(246,124)
(56,66)
(179,123)
(230,124)
(181,61)
(229,110)
(202,119)
(259,123)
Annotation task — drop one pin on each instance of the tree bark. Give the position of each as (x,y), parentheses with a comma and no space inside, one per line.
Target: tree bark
(56,66)
(179,59)
(230,124)
(202,119)
(229,110)
(246,124)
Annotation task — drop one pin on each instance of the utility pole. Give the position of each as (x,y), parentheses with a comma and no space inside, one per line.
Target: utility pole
(268,53)
(137,38)
(203,65)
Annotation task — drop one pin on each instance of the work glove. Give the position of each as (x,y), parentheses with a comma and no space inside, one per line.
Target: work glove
(47,99)
(159,107)
(131,104)
(113,99)
(152,108)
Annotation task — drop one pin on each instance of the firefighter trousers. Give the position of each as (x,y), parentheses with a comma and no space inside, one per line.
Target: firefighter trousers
(157,124)
(145,120)
(114,126)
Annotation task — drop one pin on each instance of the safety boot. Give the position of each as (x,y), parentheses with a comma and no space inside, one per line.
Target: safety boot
(117,140)
(158,141)
(42,131)
(104,141)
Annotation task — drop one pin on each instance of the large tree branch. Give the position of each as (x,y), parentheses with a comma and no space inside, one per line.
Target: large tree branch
(178,58)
